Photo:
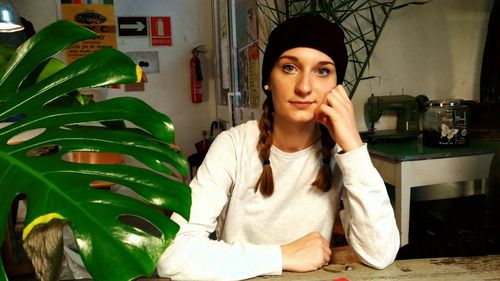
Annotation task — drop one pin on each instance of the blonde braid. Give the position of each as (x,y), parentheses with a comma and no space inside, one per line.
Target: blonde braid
(265,182)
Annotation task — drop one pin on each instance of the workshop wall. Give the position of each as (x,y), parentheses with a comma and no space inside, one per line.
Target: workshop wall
(433,49)
(168,91)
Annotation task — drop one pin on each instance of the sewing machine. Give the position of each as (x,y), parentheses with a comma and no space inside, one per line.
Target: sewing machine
(408,109)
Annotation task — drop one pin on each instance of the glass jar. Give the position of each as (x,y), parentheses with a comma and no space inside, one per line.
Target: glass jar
(445,124)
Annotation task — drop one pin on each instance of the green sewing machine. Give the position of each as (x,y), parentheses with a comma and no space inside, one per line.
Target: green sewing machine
(407,108)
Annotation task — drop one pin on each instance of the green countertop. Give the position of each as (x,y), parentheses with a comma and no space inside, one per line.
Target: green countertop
(415,150)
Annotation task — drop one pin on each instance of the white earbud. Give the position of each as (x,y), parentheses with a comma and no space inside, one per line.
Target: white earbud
(266,87)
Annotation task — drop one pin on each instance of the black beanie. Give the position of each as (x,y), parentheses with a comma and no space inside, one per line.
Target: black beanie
(312,31)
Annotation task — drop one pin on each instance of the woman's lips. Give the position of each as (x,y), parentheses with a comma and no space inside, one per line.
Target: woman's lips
(301,104)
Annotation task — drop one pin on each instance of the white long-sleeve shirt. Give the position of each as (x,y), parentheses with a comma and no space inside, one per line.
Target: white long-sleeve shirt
(256,226)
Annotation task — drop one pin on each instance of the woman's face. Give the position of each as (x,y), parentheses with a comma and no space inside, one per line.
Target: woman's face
(300,79)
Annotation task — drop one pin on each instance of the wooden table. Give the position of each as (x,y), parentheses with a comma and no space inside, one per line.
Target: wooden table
(455,269)
(410,164)
(433,269)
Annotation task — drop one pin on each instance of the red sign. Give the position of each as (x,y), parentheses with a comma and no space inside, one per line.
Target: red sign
(161,31)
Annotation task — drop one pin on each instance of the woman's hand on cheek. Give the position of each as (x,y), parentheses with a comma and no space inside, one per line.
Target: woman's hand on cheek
(337,114)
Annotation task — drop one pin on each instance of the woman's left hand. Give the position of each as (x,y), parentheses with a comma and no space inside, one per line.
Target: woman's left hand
(337,114)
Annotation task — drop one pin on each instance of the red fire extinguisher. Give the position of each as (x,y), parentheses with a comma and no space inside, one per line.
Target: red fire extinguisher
(196,75)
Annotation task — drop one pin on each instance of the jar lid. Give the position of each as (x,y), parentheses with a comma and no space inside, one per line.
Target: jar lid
(446,102)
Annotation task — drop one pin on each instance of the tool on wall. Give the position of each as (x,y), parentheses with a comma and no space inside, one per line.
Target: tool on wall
(196,75)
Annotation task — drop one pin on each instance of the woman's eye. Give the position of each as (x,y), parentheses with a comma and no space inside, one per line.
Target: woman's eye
(288,68)
(323,72)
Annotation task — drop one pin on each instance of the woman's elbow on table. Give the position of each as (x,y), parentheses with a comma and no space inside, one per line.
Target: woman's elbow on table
(167,267)
(378,264)
(384,255)
(178,260)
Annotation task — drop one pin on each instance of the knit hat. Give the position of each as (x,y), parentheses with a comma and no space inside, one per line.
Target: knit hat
(312,31)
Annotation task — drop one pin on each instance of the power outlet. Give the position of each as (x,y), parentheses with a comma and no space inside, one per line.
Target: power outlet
(148,61)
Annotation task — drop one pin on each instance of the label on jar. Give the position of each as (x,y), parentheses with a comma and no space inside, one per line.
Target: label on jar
(448,128)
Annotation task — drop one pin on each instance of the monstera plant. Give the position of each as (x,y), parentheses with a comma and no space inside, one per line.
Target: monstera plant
(56,189)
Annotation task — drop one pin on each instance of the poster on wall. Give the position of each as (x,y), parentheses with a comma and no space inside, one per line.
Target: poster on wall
(96,15)
(248,73)
(253,76)
(224,41)
(246,21)
(248,53)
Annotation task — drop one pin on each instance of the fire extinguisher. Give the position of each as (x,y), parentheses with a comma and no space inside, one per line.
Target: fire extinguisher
(196,75)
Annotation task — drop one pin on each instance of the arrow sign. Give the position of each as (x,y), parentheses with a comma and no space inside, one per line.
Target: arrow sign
(138,26)
(132,26)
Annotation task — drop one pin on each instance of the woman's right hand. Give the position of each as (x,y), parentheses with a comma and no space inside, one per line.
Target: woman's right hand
(336,113)
(306,254)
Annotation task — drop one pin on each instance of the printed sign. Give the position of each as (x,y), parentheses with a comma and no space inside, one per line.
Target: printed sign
(161,32)
(132,26)
(98,18)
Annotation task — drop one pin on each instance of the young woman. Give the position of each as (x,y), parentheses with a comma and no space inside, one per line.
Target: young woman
(271,188)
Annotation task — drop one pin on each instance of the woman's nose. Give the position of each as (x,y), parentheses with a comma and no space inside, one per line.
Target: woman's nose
(303,85)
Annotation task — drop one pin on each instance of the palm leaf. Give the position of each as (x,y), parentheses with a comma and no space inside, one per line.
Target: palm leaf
(57,188)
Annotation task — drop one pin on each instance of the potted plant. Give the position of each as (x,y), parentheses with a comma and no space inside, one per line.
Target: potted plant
(57,190)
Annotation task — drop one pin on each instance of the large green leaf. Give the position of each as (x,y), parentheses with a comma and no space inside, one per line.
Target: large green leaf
(57,188)
(42,46)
